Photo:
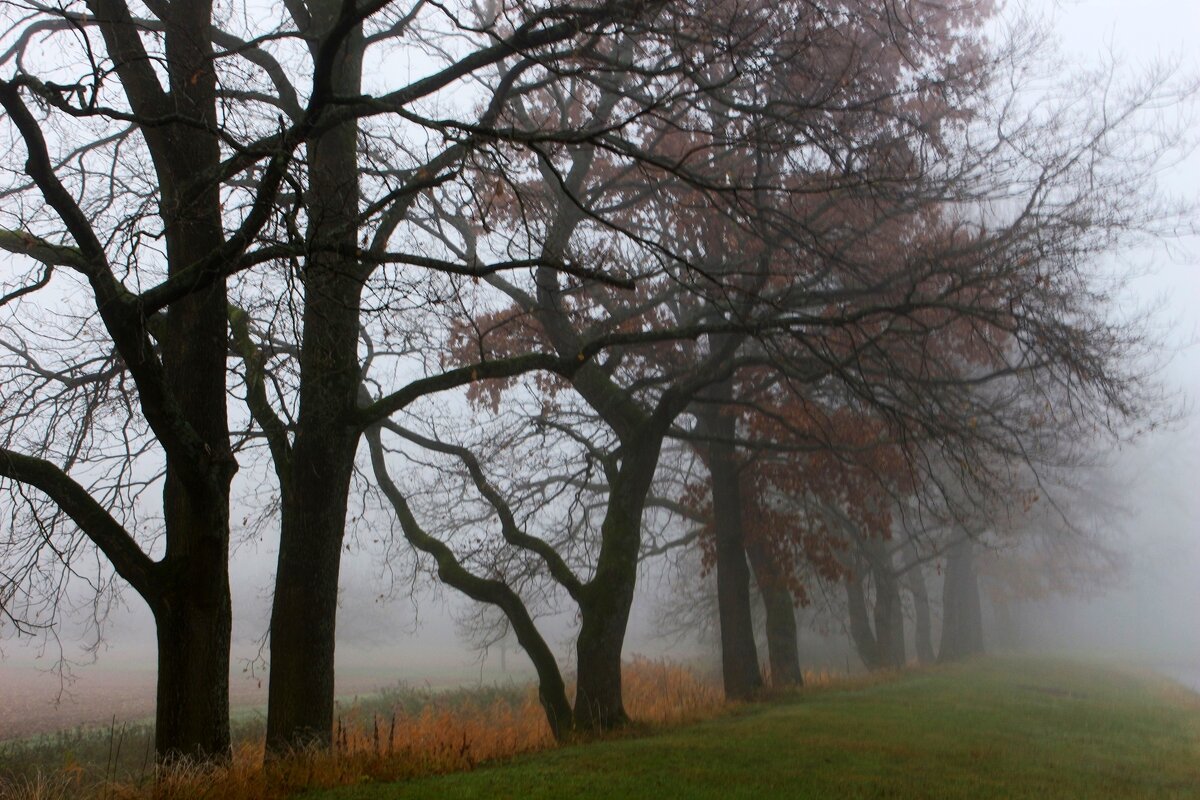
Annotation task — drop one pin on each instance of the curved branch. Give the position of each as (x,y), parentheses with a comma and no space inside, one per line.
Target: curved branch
(508,524)
(551,689)
(97,524)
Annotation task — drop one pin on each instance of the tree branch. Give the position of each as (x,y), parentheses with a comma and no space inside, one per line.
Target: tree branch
(508,524)
(97,524)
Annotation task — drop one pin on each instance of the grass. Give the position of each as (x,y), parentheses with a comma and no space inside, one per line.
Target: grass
(990,729)
(996,728)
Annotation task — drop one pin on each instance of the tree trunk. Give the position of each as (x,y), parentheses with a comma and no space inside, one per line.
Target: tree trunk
(303,616)
(192,704)
(783,645)
(192,605)
(316,483)
(599,705)
(888,611)
(962,618)
(860,623)
(301,690)
(923,627)
(739,654)
(604,616)
(605,600)
(889,623)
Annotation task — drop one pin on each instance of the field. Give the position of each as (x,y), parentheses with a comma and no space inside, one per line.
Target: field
(120,686)
(995,728)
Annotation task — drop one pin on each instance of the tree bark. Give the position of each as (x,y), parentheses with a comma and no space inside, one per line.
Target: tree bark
(605,601)
(599,705)
(316,484)
(739,654)
(604,616)
(783,645)
(192,703)
(192,604)
(962,618)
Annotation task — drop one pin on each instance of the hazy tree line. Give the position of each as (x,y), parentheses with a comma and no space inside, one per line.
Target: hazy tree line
(812,287)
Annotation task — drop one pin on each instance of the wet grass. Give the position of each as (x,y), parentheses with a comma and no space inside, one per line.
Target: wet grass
(996,728)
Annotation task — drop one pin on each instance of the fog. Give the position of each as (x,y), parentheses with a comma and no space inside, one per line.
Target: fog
(396,625)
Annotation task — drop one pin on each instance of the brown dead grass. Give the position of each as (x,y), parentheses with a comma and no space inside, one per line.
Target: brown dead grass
(403,745)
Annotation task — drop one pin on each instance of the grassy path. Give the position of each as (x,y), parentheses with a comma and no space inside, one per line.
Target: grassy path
(993,729)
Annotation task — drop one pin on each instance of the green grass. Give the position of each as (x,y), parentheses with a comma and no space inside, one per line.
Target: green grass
(991,729)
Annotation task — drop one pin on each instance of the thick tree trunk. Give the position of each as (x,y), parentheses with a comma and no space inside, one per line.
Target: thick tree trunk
(317,481)
(739,654)
(605,600)
(889,623)
(962,618)
(192,705)
(192,604)
(599,705)
(301,690)
(303,616)
(783,645)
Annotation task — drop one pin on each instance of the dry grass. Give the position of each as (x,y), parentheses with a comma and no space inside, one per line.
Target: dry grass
(40,786)
(438,738)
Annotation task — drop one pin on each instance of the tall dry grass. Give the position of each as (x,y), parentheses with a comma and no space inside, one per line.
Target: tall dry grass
(440,737)
(419,735)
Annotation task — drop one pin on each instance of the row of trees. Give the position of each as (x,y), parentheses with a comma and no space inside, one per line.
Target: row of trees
(832,259)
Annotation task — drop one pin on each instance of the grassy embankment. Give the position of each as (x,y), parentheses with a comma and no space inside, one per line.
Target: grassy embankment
(992,729)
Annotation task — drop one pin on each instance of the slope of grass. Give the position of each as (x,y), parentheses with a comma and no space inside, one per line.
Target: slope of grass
(991,729)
